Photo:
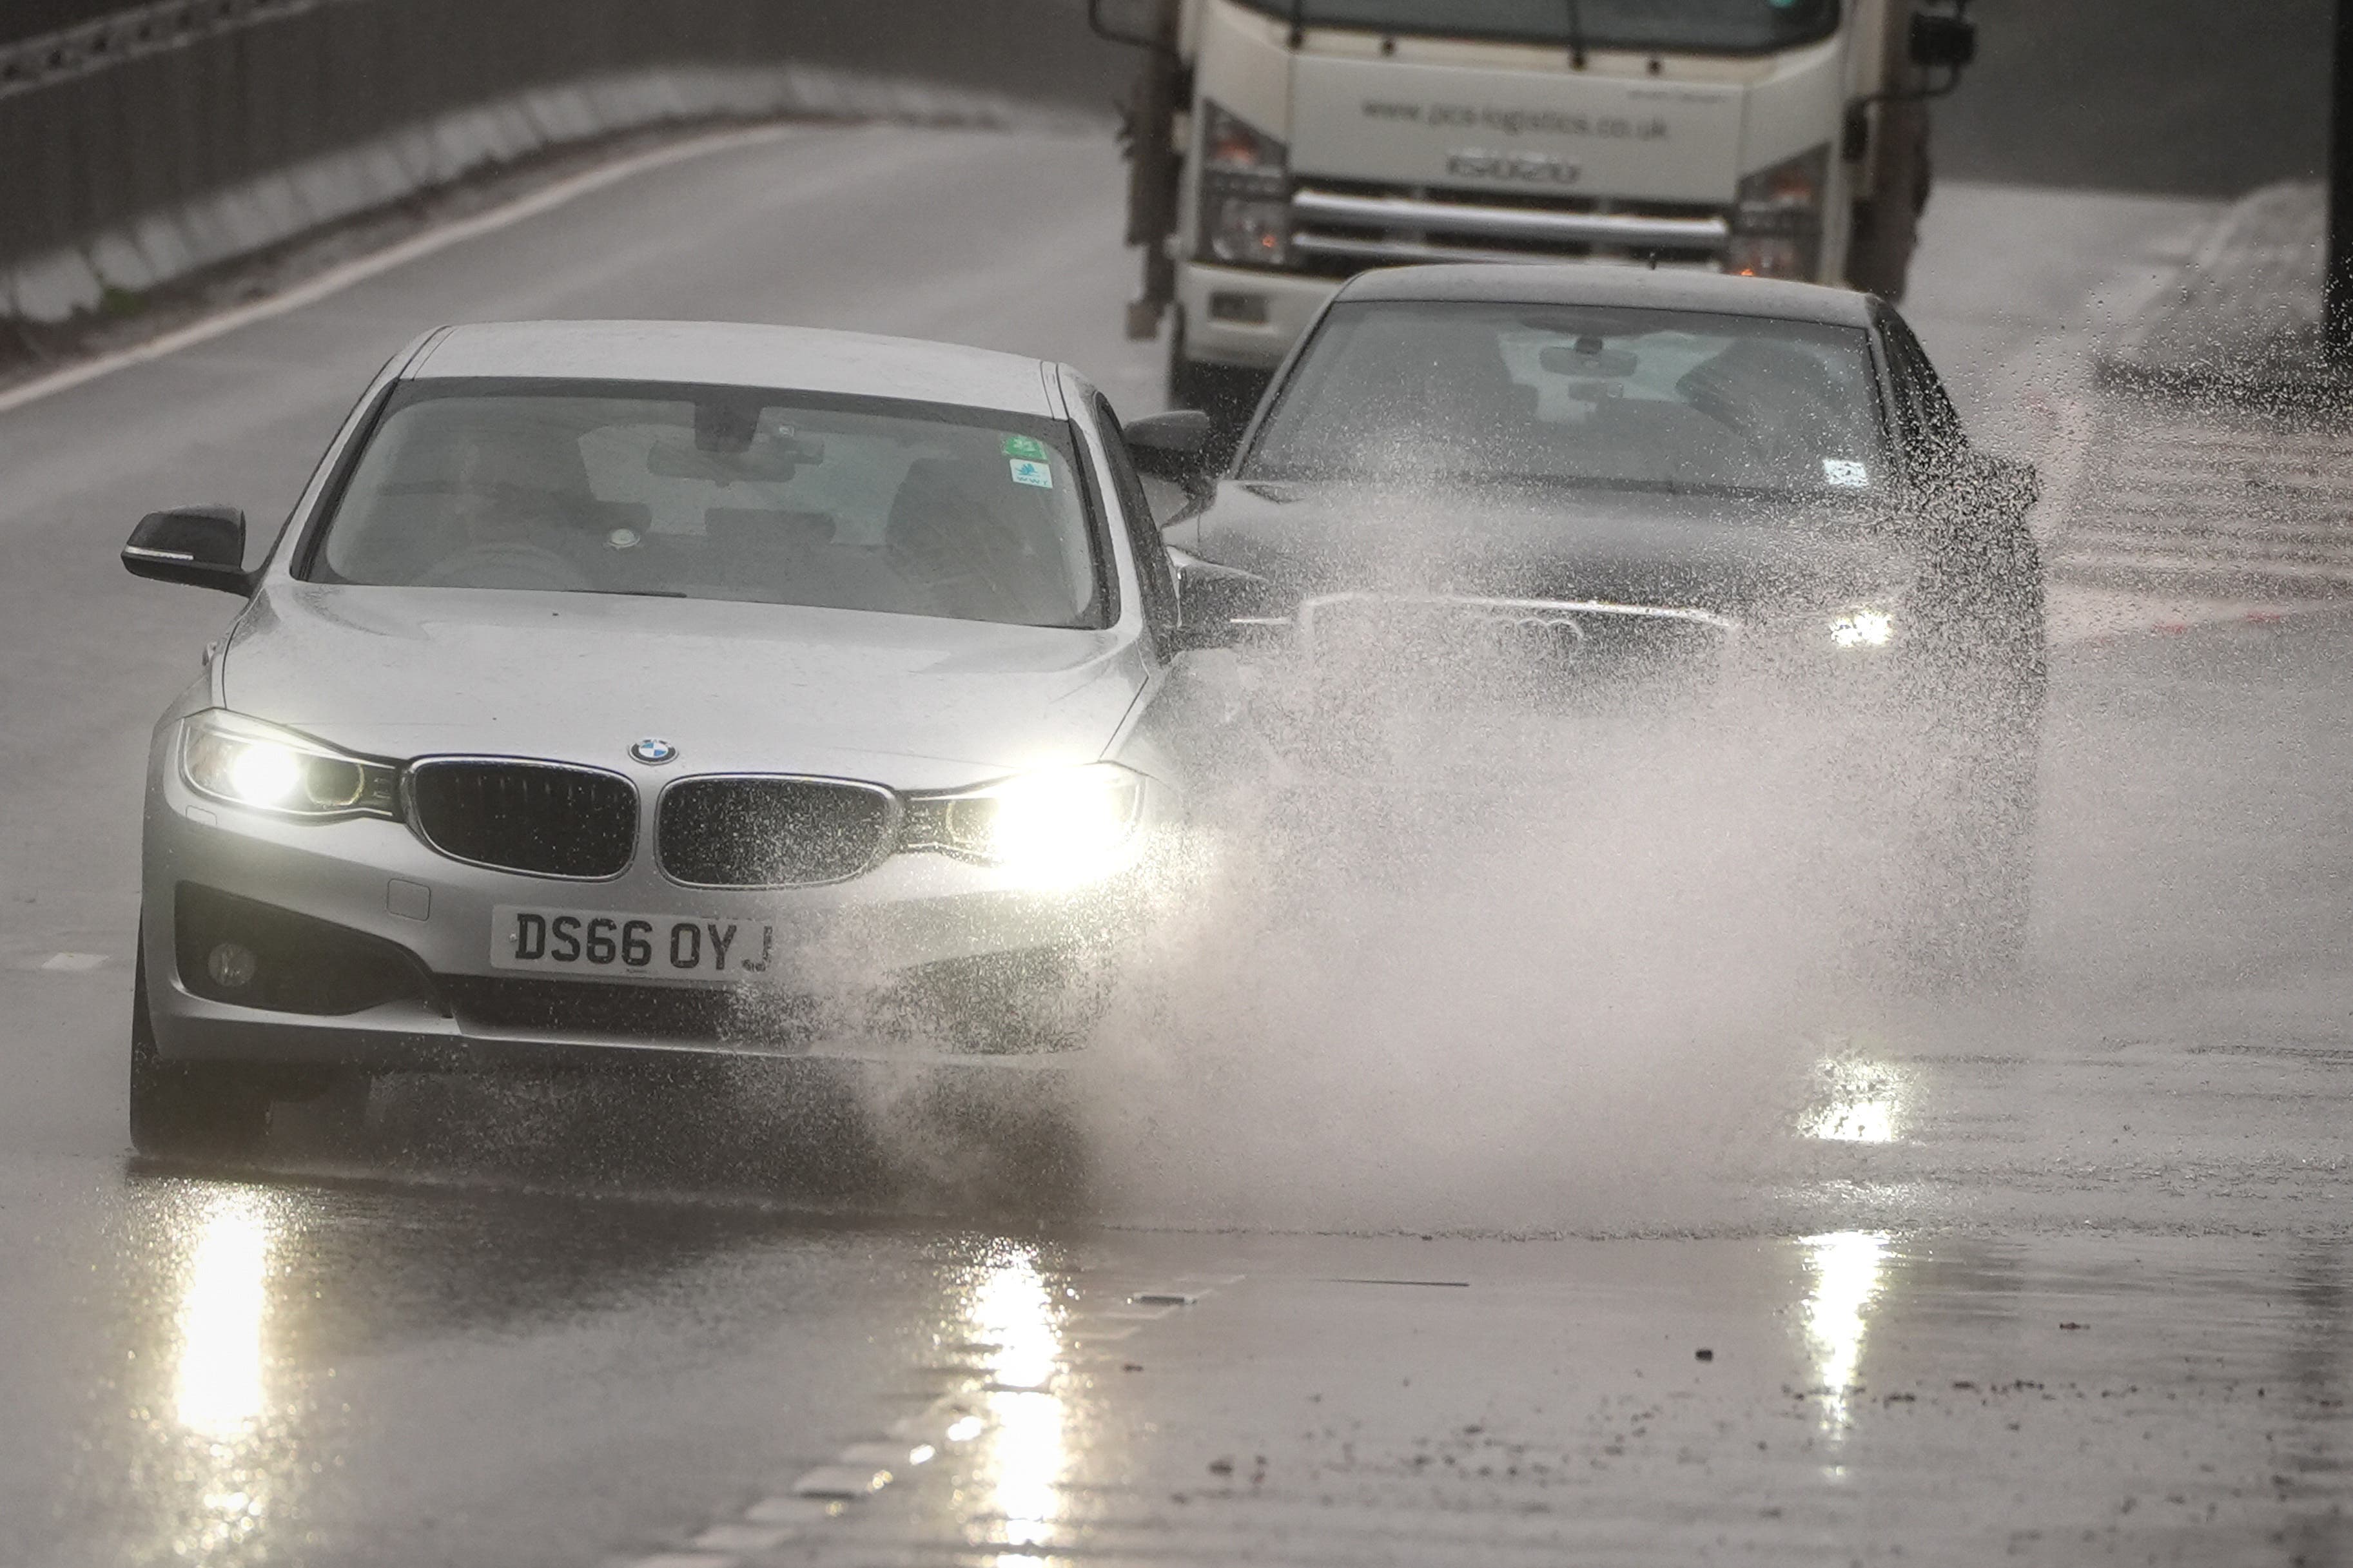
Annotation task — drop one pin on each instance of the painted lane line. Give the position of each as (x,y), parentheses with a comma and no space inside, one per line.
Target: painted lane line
(842,1483)
(888,1456)
(336,279)
(829,1493)
(73,963)
(792,1511)
(951,1419)
(739,1538)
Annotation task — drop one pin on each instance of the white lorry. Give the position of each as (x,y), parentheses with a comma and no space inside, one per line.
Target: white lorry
(1279,146)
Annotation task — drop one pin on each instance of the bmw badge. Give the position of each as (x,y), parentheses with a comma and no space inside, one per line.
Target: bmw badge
(654,752)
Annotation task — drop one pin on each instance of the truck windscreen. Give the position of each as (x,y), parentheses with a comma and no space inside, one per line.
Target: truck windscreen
(1699,27)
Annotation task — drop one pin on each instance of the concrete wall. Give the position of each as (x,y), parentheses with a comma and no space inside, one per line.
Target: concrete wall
(175,136)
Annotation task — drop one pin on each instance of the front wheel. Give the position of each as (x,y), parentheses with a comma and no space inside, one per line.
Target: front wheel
(188,1110)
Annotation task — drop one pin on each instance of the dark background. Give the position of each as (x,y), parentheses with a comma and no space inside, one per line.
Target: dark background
(2199,97)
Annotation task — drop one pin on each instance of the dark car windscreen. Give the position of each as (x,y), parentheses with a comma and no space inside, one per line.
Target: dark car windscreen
(1704,27)
(1465,393)
(709,492)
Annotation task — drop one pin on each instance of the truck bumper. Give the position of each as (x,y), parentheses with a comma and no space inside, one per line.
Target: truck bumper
(1285,301)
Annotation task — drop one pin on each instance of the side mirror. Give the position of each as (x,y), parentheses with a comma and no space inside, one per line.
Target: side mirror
(1173,446)
(1943,43)
(200,545)
(1218,606)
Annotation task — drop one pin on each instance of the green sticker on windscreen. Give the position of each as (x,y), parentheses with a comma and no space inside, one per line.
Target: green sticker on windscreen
(1023,447)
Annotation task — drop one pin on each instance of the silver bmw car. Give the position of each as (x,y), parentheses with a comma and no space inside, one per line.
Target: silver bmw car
(626,688)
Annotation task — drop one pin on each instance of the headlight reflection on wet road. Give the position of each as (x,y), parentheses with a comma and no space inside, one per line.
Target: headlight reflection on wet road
(1848,1268)
(1012,1310)
(220,1396)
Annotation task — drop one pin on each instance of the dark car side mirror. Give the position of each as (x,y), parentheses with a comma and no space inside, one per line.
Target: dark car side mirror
(1172,447)
(200,545)
(1943,43)
(1218,606)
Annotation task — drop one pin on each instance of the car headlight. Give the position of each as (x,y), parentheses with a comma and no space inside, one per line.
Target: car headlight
(1060,823)
(1862,626)
(247,762)
(1776,219)
(1245,193)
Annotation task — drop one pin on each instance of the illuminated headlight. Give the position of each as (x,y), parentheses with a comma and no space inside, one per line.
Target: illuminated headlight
(1062,823)
(1863,628)
(247,762)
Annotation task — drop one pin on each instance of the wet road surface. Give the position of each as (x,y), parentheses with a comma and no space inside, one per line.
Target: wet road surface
(530,1327)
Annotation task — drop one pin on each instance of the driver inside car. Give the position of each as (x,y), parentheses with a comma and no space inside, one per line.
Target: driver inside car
(519,512)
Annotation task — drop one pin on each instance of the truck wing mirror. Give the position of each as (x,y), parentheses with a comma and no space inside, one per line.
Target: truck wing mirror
(1943,43)
(200,545)
(1144,24)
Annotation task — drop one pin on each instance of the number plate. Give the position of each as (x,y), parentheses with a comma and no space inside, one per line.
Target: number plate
(666,947)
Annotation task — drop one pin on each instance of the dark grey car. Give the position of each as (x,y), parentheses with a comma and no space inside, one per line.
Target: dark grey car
(1599,475)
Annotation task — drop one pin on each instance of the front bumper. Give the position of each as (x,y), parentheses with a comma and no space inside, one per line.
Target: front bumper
(848,952)
(1289,302)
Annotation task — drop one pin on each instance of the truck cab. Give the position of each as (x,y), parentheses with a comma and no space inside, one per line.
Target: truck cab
(1282,146)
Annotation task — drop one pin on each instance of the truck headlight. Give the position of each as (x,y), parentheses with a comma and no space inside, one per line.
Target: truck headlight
(247,762)
(1245,193)
(1058,824)
(1776,220)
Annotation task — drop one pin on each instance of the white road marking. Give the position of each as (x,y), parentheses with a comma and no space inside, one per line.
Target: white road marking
(833,1491)
(73,963)
(336,279)
(842,1483)
(743,1538)
(790,1511)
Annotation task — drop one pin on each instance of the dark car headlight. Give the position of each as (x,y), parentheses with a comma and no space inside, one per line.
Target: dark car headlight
(1862,626)
(244,761)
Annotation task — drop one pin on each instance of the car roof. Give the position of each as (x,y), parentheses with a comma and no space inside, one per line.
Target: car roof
(1589,283)
(723,353)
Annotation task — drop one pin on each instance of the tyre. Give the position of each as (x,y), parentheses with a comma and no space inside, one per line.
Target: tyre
(188,1110)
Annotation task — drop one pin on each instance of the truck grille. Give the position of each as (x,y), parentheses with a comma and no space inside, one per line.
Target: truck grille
(1341,227)
(764,832)
(542,818)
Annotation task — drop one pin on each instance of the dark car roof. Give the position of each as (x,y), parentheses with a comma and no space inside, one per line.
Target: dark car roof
(1574,283)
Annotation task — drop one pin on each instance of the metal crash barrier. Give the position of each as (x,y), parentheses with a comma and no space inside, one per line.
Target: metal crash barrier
(157,139)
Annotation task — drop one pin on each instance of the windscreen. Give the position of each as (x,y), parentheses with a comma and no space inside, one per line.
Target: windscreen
(1471,392)
(708,492)
(1704,27)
